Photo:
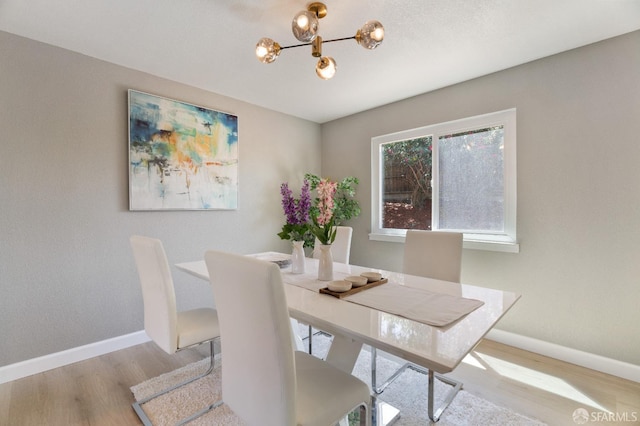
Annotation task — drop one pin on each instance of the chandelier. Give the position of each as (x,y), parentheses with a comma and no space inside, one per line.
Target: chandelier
(305,29)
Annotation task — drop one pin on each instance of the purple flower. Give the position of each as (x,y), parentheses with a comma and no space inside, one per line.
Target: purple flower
(304,204)
(296,211)
(288,204)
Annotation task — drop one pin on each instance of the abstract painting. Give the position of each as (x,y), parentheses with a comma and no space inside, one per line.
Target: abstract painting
(181,156)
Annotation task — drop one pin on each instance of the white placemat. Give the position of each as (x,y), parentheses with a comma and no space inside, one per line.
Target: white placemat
(302,280)
(417,304)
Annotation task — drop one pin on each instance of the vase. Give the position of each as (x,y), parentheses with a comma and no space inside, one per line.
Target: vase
(297,258)
(325,263)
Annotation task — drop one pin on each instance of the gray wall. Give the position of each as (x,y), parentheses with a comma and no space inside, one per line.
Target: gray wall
(66,273)
(67,276)
(578,191)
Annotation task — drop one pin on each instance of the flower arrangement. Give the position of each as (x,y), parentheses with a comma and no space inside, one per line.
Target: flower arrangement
(345,206)
(306,220)
(296,212)
(323,226)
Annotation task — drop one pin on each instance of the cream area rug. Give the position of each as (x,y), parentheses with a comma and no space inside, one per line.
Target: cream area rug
(408,393)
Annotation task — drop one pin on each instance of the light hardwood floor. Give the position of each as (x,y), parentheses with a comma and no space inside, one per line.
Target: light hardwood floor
(96,391)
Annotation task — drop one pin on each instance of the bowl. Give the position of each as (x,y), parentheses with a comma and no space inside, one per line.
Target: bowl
(339,286)
(357,280)
(372,276)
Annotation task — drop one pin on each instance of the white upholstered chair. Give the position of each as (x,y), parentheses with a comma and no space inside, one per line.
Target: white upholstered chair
(340,252)
(264,381)
(169,329)
(432,254)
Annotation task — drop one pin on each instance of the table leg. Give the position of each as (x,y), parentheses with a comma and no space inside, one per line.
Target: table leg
(434,413)
(343,353)
(452,393)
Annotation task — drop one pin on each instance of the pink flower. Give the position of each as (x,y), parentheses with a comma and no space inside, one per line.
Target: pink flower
(326,191)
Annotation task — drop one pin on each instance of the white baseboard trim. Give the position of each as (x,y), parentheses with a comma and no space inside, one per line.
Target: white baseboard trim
(584,359)
(29,367)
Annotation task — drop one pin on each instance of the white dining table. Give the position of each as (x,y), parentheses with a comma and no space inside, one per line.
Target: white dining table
(439,349)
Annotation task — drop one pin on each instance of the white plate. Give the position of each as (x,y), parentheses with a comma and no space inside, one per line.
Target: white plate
(372,276)
(339,286)
(357,280)
(282,260)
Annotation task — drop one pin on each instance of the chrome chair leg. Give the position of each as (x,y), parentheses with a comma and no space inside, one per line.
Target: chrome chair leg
(365,414)
(363,417)
(137,406)
(433,415)
(310,337)
(200,413)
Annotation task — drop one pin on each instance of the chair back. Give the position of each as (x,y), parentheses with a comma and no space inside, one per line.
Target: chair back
(158,295)
(341,247)
(258,367)
(433,254)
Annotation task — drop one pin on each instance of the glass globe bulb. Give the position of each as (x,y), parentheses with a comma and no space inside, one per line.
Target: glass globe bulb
(305,26)
(326,67)
(370,35)
(267,50)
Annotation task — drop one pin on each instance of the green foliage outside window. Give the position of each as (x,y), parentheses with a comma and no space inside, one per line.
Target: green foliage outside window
(414,156)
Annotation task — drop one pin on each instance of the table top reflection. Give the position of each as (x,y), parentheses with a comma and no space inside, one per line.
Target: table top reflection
(440,349)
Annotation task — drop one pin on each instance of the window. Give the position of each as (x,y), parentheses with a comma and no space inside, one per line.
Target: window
(455,176)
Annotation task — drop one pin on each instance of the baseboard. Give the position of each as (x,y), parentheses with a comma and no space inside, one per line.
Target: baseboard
(48,362)
(584,359)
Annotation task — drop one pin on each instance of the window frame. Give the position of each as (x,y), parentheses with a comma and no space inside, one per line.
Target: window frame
(505,241)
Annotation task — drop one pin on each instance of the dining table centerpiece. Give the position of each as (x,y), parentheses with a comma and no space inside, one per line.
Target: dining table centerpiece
(313,223)
(346,207)
(323,227)
(297,221)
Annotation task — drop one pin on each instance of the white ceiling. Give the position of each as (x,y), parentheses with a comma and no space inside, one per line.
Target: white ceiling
(428,44)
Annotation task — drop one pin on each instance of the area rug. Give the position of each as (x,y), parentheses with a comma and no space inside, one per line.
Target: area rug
(408,393)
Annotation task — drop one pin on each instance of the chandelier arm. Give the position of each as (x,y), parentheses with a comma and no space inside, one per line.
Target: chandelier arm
(323,41)
(339,39)
(295,45)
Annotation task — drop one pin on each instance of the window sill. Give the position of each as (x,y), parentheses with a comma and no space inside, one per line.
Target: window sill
(472,244)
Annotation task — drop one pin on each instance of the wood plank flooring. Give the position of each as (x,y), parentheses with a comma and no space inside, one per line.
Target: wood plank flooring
(96,391)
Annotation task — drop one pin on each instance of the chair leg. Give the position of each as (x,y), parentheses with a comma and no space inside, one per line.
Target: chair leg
(365,415)
(433,415)
(309,337)
(137,406)
(363,418)
(200,413)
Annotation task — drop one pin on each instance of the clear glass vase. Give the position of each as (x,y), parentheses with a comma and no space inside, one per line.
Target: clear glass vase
(297,257)
(325,263)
